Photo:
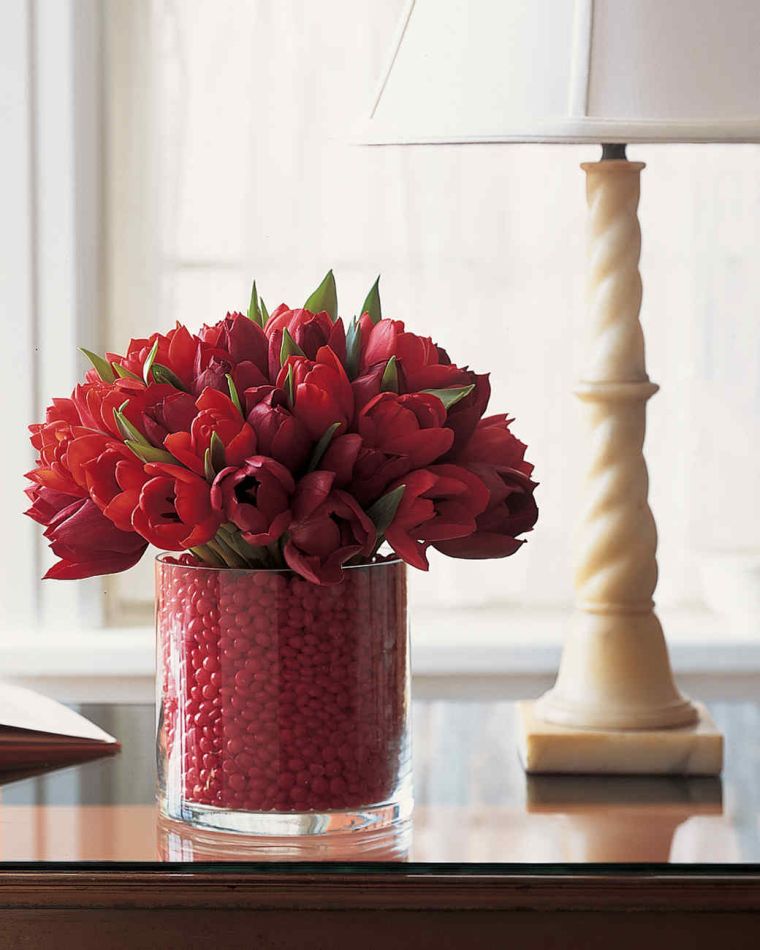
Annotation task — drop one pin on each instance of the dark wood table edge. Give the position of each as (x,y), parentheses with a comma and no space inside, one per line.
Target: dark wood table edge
(661,888)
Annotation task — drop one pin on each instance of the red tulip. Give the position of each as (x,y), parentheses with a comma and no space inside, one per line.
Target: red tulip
(278,432)
(176,351)
(497,457)
(174,413)
(114,478)
(388,338)
(217,414)
(255,497)
(174,509)
(438,503)
(399,434)
(340,458)
(97,401)
(88,544)
(411,426)
(328,529)
(236,346)
(239,338)
(492,443)
(310,331)
(52,439)
(321,390)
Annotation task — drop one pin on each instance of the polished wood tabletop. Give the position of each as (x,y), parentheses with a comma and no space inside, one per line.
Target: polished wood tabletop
(502,848)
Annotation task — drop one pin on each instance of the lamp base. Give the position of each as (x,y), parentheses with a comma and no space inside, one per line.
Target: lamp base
(688,750)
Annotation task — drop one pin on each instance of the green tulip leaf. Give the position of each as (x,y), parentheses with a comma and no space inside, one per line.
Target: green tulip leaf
(325,297)
(372,303)
(218,459)
(148,364)
(289,387)
(289,347)
(450,397)
(389,382)
(264,312)
(353,348)
(162,374)
(149,453)
(102,366)
(123,373)
(234,395)
(208,468)
(127,429)
(321,447)
(254,310)
(384,510)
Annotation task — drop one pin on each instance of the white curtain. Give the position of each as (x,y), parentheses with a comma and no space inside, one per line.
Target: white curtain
(229,156)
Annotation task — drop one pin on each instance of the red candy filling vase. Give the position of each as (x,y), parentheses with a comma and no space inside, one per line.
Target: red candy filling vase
(283,706)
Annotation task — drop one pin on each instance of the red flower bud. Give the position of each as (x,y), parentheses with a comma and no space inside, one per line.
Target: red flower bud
(438,503)
(255,497)
(88,544)
(310,331)
(322,392)
(278,432)
(217,414)
(328,529)
(174,509)
(496,456)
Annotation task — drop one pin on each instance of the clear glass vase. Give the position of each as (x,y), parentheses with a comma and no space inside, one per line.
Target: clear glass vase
(283,707)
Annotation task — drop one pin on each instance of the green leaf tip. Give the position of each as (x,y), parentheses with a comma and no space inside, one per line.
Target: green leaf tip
(384,510)
(450,397)
(389,381)
(148,364)
(353,348)
(371,303)
(102,367)
(149,453)
(128,431)
(325,297)
(218,458)
(289,347)
(321,447)
(234,395)
(123,373)
(254,310)
(289,387)
(162,374)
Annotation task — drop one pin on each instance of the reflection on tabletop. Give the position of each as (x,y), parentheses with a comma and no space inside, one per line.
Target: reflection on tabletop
(474,804)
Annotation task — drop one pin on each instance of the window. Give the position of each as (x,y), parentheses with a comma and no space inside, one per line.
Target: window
(224,131)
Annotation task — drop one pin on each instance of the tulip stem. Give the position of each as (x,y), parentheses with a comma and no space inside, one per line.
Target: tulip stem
(203,553)
(225,552)
(233,539)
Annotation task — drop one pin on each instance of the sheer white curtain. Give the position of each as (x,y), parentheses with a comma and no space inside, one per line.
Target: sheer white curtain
(229,156)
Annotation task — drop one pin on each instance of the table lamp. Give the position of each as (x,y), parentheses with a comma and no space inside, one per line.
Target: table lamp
(607,72)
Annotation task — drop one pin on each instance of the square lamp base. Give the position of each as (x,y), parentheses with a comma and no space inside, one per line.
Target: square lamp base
(690,750)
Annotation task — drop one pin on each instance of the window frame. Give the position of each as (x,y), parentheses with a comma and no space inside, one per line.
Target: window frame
(52,190)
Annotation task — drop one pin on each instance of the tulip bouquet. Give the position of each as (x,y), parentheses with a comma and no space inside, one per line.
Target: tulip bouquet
(279,440)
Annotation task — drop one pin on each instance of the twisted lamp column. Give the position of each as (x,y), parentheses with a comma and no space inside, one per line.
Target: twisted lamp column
(615,671)
(615,707)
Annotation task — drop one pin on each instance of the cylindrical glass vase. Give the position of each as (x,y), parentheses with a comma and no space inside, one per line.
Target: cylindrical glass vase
(283,707)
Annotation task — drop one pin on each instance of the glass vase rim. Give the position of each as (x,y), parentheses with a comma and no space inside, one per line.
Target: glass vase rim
(161,558)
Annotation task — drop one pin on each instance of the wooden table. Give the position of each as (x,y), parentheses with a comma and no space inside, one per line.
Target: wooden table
(493,859)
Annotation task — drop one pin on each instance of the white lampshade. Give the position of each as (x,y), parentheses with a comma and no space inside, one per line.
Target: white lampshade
(571,71)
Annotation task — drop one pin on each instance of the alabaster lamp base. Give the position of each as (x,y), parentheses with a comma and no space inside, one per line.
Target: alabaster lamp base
(688,750)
